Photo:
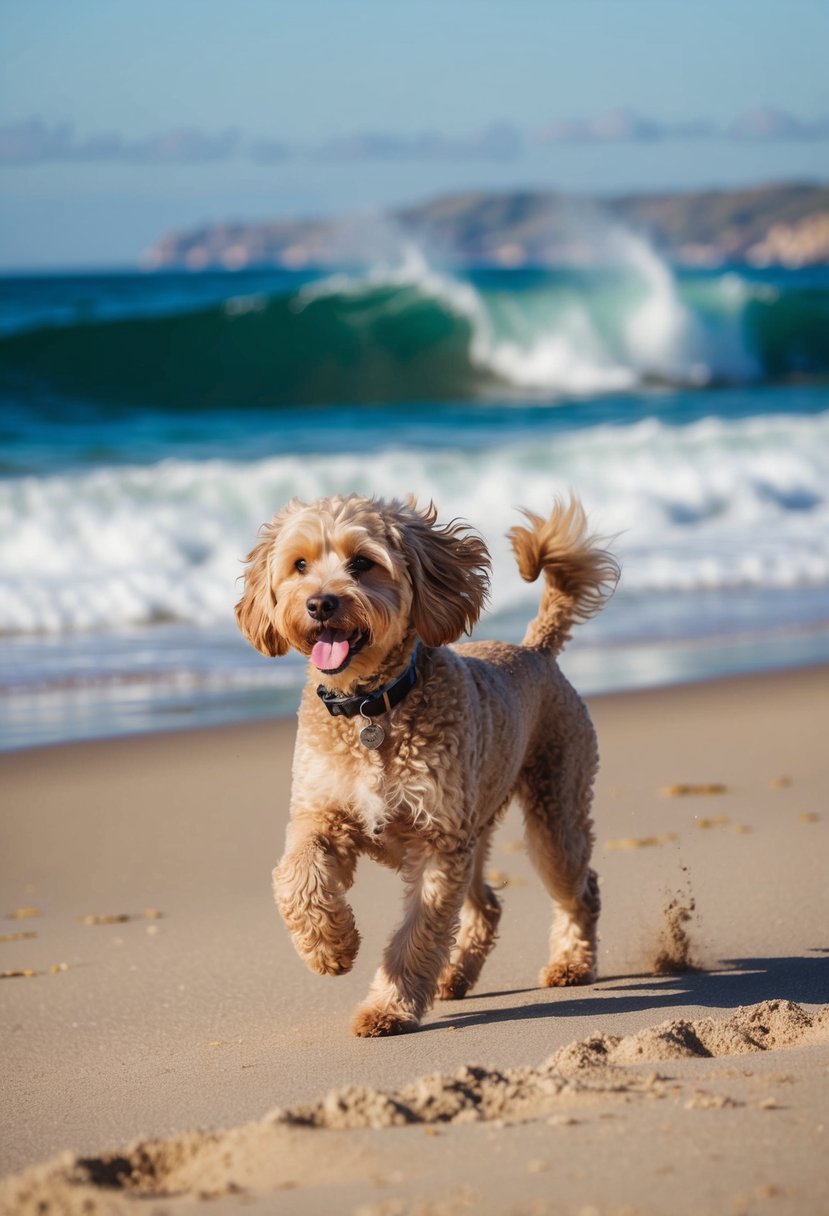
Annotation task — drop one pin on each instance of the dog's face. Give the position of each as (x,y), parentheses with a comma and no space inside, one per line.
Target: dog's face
(345,581)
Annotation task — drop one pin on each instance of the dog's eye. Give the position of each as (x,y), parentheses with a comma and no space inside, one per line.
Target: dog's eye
(301,565)
(359,565)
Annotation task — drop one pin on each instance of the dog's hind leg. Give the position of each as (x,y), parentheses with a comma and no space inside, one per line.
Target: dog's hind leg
(559,834)
(476,936)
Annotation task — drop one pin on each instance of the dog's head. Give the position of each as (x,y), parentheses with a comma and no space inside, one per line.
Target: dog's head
(346,580)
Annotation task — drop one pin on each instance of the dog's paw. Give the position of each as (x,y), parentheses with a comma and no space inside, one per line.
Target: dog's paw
(329,964)
(566,974)
(372,1023)
(452,985)
(332,957)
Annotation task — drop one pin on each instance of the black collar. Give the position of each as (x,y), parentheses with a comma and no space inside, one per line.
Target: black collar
(371,704)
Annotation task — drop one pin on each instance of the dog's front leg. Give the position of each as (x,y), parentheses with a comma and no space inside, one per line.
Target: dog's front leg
(405,984)
(309,886)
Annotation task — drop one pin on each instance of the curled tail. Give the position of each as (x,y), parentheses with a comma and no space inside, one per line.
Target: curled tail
(579,576)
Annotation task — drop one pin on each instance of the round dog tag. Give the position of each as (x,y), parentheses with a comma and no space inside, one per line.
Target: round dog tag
(372,736)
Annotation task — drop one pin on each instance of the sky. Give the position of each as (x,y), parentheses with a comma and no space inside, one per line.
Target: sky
(121,120)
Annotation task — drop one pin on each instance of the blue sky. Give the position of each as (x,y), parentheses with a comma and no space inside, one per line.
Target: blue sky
(122,119)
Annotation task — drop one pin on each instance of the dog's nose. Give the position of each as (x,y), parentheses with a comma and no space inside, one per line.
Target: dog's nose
(321,607)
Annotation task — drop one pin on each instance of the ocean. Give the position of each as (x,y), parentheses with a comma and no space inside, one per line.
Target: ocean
(150,423)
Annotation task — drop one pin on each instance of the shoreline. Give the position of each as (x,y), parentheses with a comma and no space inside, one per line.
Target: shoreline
(597,672)
(182,1004)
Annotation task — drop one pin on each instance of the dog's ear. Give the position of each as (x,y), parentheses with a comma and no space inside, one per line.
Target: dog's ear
(449,568)
(256,609)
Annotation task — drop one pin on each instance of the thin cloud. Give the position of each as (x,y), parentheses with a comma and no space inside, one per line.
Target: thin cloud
(765,123)
(613,126)
(33,141)
(186,146)
(626,126)
(381,145)
(270,151)
(496,141)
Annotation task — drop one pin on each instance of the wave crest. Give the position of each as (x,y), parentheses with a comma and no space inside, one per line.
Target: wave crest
(406,332)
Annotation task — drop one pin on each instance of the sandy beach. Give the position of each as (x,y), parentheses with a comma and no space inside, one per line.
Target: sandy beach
(164,1049)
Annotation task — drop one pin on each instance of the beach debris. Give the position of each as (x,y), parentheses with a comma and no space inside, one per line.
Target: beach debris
(626,843)
(23,913)
(497,879)
(781,783)
(707,789)
(808,817)
(21,936)
(705,1101)
(712,821)
(29,973)
(120,918)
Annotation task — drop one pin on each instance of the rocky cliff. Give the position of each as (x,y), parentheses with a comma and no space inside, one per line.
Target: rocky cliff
(784,225)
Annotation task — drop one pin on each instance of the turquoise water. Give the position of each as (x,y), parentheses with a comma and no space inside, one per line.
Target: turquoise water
(149,424)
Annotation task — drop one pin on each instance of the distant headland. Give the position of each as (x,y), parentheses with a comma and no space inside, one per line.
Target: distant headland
(770,225)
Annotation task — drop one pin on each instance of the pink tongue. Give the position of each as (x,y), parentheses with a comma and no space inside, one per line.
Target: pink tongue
(331,651)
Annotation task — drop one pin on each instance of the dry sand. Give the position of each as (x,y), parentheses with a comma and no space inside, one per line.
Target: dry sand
(149,988)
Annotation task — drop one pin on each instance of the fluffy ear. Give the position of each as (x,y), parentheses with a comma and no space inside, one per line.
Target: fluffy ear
(255,610)
(449,568)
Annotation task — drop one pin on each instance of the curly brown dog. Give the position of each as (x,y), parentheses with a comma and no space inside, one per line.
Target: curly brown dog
(409,750)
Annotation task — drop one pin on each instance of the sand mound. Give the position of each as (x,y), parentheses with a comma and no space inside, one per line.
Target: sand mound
(593,1052)
(469,1095)
(769,1026)
(206,1165)
(472,1093)
(670,1041)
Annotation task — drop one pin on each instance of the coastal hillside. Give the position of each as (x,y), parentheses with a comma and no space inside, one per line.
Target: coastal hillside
(774,225)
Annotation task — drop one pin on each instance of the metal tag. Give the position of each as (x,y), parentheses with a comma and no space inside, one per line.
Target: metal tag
(372,736)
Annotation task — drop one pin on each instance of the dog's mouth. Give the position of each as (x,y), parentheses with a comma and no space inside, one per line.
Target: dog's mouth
(334,649)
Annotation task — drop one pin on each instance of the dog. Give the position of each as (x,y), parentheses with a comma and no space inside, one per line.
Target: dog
(410,749)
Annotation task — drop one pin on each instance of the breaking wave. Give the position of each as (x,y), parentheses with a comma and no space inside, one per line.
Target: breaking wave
(410,333)
(715,504)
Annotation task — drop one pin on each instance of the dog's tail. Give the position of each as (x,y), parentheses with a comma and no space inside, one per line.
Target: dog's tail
(579,575)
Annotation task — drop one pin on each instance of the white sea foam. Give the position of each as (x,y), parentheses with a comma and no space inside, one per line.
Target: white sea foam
(715,504)
(554,342)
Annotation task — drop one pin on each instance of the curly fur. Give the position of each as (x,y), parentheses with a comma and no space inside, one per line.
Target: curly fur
(486,722)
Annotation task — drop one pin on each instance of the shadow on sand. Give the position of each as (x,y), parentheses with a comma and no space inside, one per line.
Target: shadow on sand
(742,981)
